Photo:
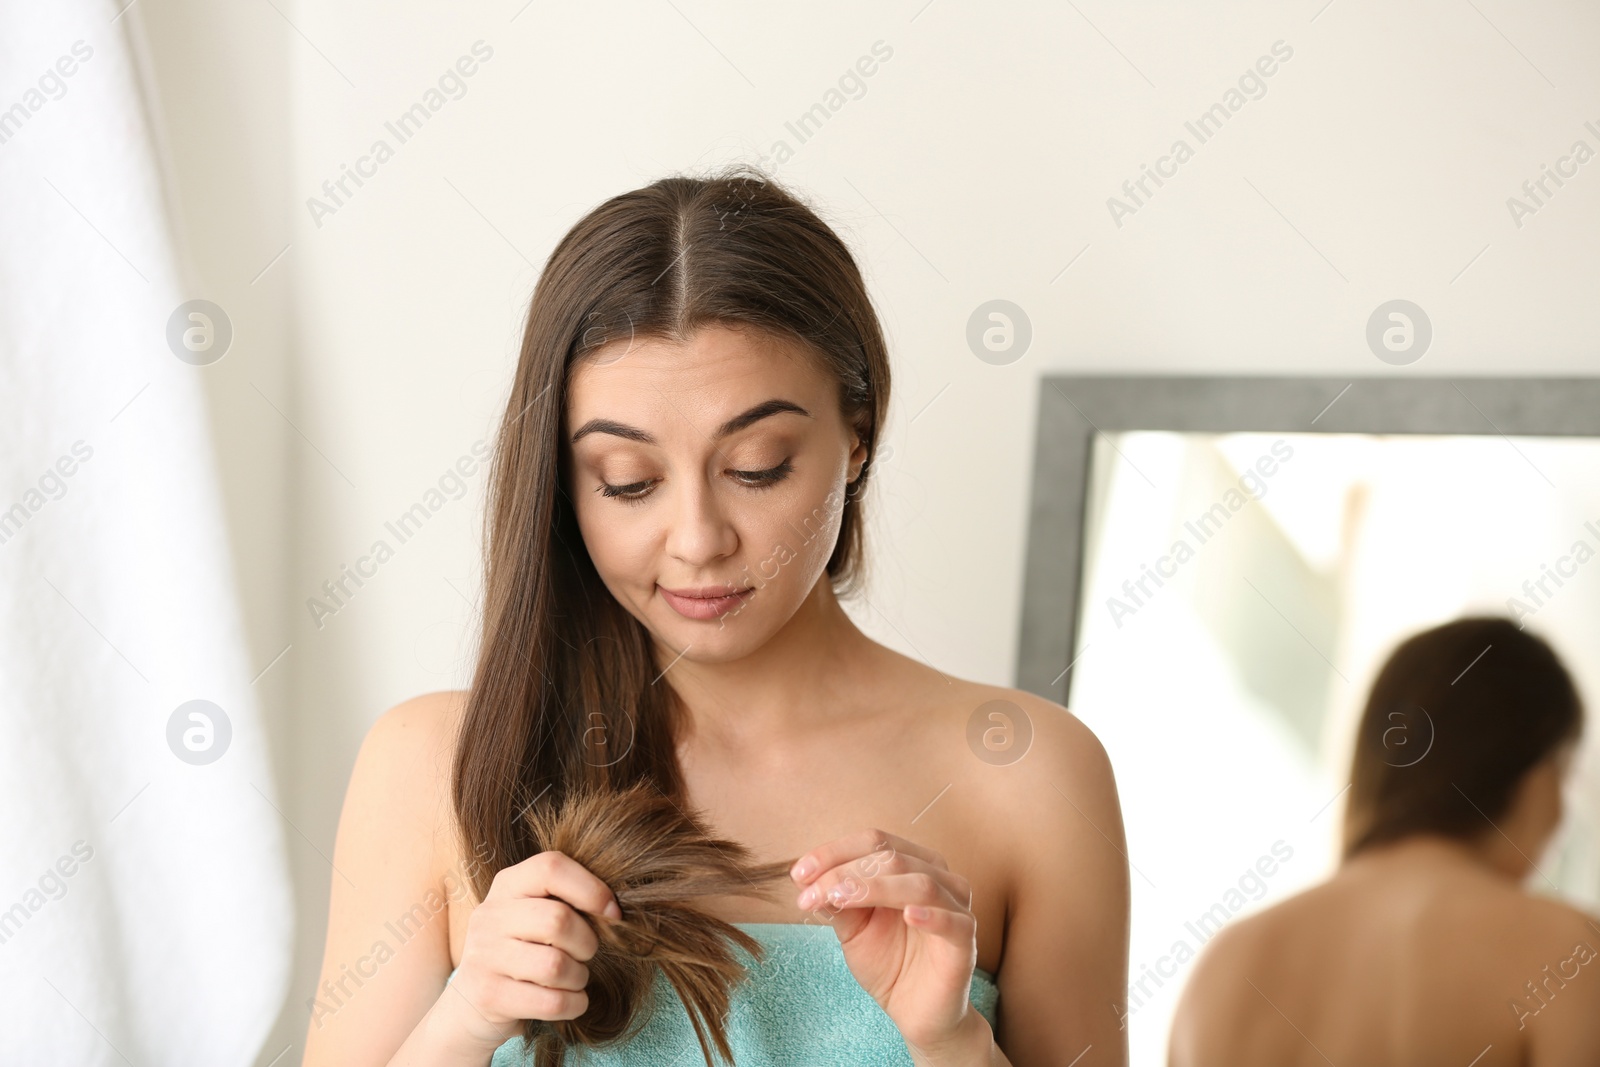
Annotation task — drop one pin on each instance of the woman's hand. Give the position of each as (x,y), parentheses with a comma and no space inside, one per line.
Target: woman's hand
(905,922)
(526,947)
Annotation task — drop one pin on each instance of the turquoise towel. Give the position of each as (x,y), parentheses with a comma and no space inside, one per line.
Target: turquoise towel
(800,1006)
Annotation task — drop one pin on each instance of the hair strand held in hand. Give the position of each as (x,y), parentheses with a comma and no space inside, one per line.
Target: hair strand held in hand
(660,863)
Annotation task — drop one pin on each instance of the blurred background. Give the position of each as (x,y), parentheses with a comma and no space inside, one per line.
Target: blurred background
(266,263)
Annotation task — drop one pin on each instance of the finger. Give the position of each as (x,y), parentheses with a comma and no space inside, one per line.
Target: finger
(885,891)
(543,965)
(554,874)
(546,921)
(526,1000)
(877,865)
(871,842)
(943,923)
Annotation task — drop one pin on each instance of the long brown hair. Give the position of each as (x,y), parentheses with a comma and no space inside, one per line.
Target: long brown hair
(566,689)
(1456,717)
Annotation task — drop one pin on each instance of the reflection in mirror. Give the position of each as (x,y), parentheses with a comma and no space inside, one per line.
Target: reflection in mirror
(1424,933)
(1240,594)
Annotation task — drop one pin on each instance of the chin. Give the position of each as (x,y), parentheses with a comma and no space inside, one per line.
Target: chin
(723,640)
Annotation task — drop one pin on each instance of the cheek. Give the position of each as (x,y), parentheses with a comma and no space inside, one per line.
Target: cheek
(619,545)
(800,539)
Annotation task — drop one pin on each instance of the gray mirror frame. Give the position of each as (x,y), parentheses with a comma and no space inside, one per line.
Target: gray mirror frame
(1073,408)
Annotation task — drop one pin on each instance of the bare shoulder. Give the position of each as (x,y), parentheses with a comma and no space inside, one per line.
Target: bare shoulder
(1003,727)
(1012,727)
(1043,786)
(400,786)
(1240,941)
(1552,922)
(1555,913)
(1028,771)
(422,724)
(1213,989)
(1527,924)
(1262,944)
(1028,763)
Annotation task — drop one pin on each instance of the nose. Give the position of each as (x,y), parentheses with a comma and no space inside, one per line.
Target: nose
(700,533)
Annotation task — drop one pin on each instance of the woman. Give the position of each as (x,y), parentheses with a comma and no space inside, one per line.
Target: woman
(676,505)
(1424,948)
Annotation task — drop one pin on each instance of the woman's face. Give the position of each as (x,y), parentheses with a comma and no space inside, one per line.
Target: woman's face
(709,480)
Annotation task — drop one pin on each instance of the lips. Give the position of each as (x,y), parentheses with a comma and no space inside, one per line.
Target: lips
(704,603)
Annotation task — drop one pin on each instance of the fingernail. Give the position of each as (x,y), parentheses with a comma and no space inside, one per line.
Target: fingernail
(808,898)
(802,870)
(843,890)
(918,913)
(612,911)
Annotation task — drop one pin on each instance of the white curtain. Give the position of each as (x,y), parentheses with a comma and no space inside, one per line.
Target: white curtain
(145,914)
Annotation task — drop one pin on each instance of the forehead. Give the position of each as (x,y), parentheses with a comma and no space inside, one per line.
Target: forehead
(716,372)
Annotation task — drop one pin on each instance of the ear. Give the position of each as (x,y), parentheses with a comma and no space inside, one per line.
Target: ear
(858,456)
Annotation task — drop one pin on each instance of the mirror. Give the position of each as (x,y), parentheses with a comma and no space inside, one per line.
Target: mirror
(1240,590)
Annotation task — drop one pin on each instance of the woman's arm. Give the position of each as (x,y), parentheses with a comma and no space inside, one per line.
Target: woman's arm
(383,999)
(1064,972)
(388,948)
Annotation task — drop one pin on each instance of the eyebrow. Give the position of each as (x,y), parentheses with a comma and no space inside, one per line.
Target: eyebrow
(739,422)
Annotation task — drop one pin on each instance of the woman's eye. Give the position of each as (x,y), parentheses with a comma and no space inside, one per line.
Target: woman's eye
(636,491)
(631,491)
(770,476)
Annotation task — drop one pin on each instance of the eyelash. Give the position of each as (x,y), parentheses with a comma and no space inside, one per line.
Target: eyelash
(634,492)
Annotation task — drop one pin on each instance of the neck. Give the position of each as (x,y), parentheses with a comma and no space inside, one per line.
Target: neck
(1492,853)
(789,683)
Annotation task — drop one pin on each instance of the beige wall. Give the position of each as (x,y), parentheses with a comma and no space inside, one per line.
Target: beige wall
(976,165)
